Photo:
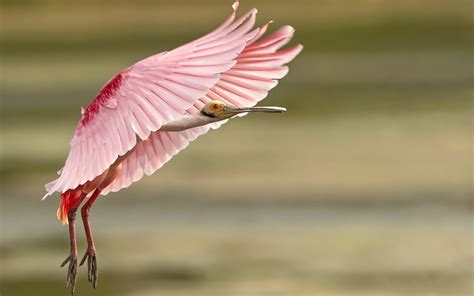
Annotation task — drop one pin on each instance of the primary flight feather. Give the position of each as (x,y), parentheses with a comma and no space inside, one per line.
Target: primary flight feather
(150,111)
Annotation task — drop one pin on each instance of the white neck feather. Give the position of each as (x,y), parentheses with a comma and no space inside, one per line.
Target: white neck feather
(187,122)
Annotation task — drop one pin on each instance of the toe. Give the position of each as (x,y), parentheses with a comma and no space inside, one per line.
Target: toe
(72,273)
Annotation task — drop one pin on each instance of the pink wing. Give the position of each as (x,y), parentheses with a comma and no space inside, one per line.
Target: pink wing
(163,87)
(245,84)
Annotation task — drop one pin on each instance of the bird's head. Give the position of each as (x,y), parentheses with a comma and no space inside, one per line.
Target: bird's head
(221,110)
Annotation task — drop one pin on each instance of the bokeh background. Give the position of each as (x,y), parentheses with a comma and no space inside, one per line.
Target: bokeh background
(364,187)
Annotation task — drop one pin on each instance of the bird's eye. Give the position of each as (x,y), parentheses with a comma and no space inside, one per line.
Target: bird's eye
(215,106)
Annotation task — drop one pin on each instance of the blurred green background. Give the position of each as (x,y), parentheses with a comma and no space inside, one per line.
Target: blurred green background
(364,187)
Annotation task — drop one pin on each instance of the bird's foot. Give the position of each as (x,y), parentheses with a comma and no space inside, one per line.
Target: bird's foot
(91,257)
(72,272)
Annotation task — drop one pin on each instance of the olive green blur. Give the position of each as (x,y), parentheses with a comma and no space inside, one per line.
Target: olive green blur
(363,187)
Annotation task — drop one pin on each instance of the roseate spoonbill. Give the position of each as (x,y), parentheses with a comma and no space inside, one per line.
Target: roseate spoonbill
(150,111)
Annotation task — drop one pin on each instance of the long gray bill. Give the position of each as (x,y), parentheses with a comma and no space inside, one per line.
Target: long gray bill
(262,109)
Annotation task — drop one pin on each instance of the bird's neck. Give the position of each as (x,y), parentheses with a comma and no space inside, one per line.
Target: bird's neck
(188,121)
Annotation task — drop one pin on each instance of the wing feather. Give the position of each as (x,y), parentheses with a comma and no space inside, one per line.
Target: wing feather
(231,63)
(140,98)
(255,72)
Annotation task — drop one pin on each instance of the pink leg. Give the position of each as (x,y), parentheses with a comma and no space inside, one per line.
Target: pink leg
(90,254)
(72,258)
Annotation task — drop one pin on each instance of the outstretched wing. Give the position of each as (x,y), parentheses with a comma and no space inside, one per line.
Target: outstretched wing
(256,72)
(139,99)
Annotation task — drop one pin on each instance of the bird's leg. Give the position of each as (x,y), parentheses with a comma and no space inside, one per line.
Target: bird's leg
(72,258)
(90,254)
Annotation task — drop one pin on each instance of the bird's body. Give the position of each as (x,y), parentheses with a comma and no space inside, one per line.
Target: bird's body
(150,111)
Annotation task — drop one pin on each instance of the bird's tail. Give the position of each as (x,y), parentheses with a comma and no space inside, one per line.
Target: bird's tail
(69,200)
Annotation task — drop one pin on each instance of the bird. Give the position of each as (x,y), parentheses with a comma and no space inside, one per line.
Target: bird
(153,109)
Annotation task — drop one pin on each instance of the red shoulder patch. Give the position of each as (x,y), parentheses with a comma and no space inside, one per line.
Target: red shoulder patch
(110,89)
(107,91)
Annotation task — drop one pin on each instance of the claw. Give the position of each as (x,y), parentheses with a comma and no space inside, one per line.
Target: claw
(91,266)
(86,255)
(65,261)
(71,273)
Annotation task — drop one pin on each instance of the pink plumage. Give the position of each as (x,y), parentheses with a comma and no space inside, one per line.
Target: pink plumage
(232,64)
(121,135)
